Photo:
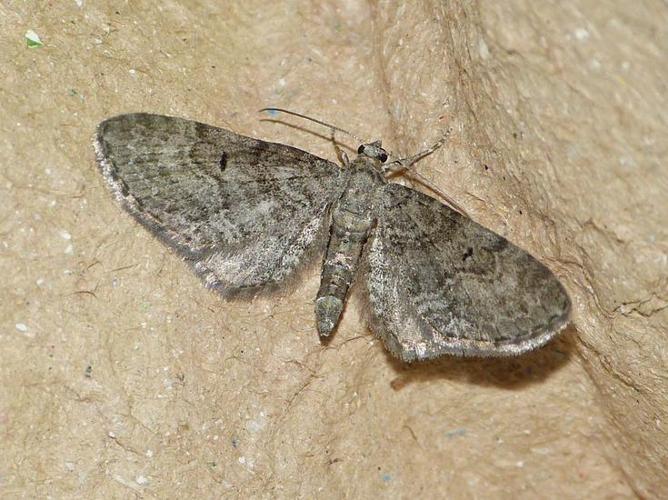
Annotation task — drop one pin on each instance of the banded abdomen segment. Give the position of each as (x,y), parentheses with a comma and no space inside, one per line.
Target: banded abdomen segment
(348,235)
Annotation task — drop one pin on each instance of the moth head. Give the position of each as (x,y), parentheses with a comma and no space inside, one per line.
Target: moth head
(373,150)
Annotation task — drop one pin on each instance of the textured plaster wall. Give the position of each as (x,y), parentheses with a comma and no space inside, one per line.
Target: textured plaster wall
(121,375)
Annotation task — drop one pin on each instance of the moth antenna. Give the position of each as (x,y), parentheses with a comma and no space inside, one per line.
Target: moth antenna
(325,124)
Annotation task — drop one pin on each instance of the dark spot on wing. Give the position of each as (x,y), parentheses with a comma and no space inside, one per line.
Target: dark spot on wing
(223,161)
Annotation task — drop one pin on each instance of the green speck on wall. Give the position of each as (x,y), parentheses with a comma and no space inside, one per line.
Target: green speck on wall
(33,40)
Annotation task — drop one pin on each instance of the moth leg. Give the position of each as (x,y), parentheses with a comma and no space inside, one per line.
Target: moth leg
(448,199)
(340,153)
(405,163)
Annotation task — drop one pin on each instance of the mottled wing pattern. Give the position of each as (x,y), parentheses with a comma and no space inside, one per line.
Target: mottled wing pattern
(438,283)
(245,213)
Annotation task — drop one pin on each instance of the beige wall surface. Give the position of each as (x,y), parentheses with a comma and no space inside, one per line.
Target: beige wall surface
(122,376)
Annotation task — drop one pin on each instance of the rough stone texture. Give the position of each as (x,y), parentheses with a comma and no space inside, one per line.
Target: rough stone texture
(122,375)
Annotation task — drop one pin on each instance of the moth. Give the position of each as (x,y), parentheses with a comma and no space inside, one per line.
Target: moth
(247,214)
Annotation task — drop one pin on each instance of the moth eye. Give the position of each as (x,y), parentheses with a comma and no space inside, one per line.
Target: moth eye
(360,150)
(383,157)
